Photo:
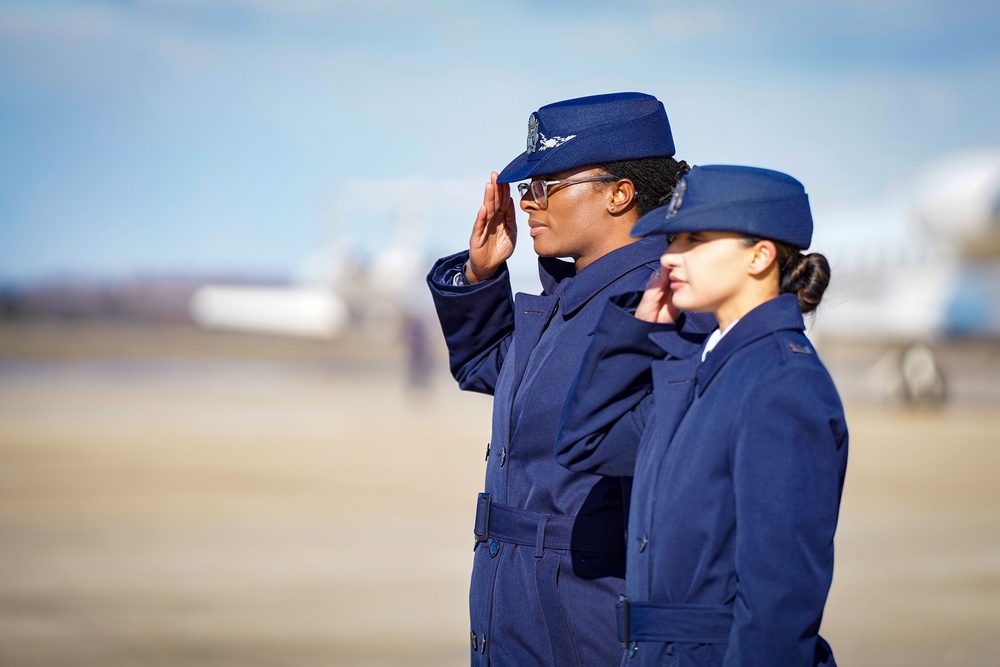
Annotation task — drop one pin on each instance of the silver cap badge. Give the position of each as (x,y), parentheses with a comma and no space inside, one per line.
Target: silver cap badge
(532,133)
(677,198)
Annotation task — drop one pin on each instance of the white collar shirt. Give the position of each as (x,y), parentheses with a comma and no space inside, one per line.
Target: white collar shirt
(714,339)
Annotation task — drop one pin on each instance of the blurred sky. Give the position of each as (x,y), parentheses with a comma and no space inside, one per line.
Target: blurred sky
(173,136)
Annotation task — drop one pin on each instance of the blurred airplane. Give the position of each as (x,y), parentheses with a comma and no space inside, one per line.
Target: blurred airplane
(936,280)
(381,237)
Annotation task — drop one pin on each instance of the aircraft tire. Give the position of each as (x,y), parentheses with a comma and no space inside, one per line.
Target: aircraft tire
(923,383)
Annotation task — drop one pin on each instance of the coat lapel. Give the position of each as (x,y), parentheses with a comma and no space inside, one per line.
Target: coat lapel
(674,382)
(531,315)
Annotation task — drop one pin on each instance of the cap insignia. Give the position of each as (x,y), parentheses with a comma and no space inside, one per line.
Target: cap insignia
(677,198)
(532,133)
(552,142)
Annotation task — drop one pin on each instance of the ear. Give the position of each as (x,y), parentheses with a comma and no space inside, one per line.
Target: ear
(621,196)
(764,256)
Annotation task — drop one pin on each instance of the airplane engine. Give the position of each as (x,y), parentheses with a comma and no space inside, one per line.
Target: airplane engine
(959,203)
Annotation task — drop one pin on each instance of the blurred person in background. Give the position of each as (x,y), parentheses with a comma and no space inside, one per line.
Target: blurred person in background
(740,470)
(549,562)
(419,364)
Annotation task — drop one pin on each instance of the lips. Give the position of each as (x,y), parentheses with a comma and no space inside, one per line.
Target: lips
(534,228)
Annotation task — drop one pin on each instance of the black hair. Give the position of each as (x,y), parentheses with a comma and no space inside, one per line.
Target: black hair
(654,178)
(805,276)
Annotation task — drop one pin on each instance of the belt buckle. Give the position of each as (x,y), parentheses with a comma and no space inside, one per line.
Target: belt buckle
(482,537)
(623,601)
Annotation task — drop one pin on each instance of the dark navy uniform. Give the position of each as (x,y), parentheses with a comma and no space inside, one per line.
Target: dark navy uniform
(551,561)
(737,487)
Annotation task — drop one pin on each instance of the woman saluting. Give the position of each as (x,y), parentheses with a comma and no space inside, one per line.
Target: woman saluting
(550,556)
(740,467)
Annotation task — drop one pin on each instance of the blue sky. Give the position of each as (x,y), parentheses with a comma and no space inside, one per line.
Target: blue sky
(175,136)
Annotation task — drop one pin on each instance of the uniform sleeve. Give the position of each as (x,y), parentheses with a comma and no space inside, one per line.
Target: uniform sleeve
(788,462)
(477,322)
(611,397)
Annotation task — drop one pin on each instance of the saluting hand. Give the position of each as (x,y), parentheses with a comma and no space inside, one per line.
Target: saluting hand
(657,304)
(494,233)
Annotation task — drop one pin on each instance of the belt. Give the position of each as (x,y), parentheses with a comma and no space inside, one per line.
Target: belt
(688,623)
(547,531)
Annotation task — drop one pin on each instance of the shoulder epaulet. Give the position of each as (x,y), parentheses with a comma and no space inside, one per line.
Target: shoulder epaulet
(799,348)
(793,345)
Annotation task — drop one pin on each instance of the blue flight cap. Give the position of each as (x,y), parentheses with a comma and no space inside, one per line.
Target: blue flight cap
(723,198)
(591,130)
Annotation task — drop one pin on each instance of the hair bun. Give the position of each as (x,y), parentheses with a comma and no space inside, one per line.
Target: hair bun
(807,276)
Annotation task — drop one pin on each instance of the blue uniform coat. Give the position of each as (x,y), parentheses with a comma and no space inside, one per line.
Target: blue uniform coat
(737,486)
(551,562)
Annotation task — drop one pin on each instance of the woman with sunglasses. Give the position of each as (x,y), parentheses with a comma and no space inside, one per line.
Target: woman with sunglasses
(550,560)
(740,468)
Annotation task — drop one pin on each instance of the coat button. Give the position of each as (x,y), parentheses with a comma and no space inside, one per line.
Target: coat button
(633,648)
(503,456)
(643,542)
(482,644)
(475,645)
(494,548)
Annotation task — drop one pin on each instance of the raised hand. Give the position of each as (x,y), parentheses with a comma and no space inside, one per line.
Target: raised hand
(494,234)
(656,304)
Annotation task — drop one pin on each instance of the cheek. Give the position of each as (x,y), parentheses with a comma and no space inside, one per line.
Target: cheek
(560,221)
(705,278)
(579,204)
(718,280)
(717,260)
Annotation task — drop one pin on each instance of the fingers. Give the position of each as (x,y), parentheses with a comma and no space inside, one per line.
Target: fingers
(656,304)
(649,305)
(666,313)
(496,196)
(503,193)
(481,218)
(495,187)
(488,194)
(658,279)
(509,223)
(495,218)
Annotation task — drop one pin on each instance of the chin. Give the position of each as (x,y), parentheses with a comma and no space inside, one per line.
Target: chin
(690,305)
(543,250)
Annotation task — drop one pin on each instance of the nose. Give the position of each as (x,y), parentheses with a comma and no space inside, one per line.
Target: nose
(668,260)
(528,203)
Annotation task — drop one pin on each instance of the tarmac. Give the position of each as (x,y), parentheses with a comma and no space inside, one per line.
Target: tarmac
(170,497)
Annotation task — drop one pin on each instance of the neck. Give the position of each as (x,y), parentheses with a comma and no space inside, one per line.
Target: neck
(618,238)
(742,303)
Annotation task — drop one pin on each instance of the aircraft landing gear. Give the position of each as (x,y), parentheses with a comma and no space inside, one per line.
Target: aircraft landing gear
(923,384)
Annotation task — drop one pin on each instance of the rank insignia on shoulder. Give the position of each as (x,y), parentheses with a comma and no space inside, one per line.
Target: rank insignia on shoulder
(800,349)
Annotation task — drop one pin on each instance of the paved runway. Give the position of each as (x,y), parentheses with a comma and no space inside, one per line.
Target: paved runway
(173,498)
